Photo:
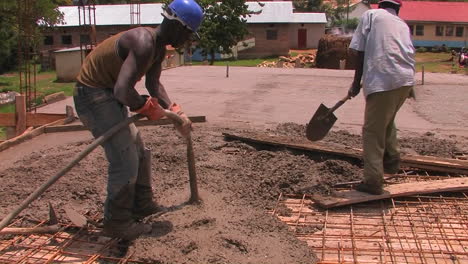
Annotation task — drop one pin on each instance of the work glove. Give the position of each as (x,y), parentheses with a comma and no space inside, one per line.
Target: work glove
(354,89)
(185,128)
(151,109)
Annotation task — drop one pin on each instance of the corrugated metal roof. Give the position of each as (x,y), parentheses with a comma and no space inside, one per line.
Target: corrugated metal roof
(282,12)
(150,14)
(433,11)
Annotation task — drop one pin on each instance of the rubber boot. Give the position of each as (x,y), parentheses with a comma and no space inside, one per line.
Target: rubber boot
(120,223)
(144,205)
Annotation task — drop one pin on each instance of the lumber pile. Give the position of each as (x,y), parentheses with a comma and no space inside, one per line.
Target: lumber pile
(300,61)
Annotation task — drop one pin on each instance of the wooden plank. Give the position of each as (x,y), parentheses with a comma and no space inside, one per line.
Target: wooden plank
(7,119)
(414,161)
(71,128)
(20,109)
(32,119)
(40,119)
(33,133)
(342,198)
(30,230)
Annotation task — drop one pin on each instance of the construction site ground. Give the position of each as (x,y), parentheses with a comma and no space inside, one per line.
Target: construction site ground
(239,183)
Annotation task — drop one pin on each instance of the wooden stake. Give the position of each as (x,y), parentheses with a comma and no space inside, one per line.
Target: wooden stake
(20,114)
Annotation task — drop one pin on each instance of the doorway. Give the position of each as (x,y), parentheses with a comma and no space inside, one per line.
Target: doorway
(302,38)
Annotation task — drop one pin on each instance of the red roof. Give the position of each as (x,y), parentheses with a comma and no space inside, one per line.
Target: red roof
(433,11)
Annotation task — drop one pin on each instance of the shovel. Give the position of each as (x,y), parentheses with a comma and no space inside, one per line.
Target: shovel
(322,121)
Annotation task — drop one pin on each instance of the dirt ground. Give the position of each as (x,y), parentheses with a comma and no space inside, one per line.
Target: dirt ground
(238,182)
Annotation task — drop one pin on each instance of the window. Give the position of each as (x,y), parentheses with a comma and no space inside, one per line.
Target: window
(66,39)
(419,30)
(439,31)
(85,39)
(49,40)
(449,31)
(272,34)
(411,29)
(459,32)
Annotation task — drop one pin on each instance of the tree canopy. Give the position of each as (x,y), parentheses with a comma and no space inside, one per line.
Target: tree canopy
(17,19)
(223,26)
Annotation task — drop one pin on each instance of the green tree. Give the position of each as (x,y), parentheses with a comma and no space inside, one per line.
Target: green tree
(308,5)
(223,26)
(17,19)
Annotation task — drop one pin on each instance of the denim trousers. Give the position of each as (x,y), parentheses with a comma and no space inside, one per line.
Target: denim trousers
(99,111)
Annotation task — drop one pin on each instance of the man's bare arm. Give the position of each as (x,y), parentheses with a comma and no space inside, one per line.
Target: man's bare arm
(356,85)
(155,87)
(136,48)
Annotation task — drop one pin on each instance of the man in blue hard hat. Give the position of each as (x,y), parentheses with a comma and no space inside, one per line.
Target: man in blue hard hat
(386,67)
(105,90)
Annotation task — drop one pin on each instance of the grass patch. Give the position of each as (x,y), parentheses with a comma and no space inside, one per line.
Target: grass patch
(436,62)
(45,84)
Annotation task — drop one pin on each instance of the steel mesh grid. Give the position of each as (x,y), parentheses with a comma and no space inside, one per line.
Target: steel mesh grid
(421,229)
(72,245)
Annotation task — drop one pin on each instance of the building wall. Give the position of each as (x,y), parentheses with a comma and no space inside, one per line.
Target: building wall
(358,10)
(314,33)
(57,33)
(430,39)
(267,47)
(286,38)
(68,65)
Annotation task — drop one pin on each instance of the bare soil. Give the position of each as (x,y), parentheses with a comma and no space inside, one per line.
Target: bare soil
(238,183)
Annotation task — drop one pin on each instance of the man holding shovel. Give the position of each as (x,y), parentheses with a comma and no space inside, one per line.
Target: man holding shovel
(104,90)
(386,67)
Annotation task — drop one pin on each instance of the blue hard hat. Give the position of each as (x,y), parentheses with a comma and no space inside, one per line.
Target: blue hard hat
(188,12)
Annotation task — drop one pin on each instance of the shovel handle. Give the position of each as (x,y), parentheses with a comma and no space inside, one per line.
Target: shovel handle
(337,105)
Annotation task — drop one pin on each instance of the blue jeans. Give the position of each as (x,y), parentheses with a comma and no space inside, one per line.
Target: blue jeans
(99,111)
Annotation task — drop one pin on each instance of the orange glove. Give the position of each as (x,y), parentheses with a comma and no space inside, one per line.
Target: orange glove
(151,109)
(184,128)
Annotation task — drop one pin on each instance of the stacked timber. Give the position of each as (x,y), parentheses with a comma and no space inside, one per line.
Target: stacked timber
(299,61)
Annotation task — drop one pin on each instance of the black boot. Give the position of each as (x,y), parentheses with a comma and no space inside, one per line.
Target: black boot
(368,188)
(120,223)
(391,165)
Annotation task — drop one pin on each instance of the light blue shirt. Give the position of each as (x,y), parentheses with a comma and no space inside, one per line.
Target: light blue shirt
(388,51)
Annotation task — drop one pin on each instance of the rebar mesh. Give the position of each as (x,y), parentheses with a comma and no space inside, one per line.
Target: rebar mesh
(421,229)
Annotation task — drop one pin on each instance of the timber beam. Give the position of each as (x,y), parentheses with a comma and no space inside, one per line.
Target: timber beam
(421,162)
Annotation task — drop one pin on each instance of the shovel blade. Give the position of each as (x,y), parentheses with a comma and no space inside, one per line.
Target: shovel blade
(320,124)
(75,217)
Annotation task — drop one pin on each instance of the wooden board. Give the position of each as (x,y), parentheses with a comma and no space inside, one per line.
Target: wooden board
(396,190)
(32,133)
(34,120)
(414,161)
(79,127)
